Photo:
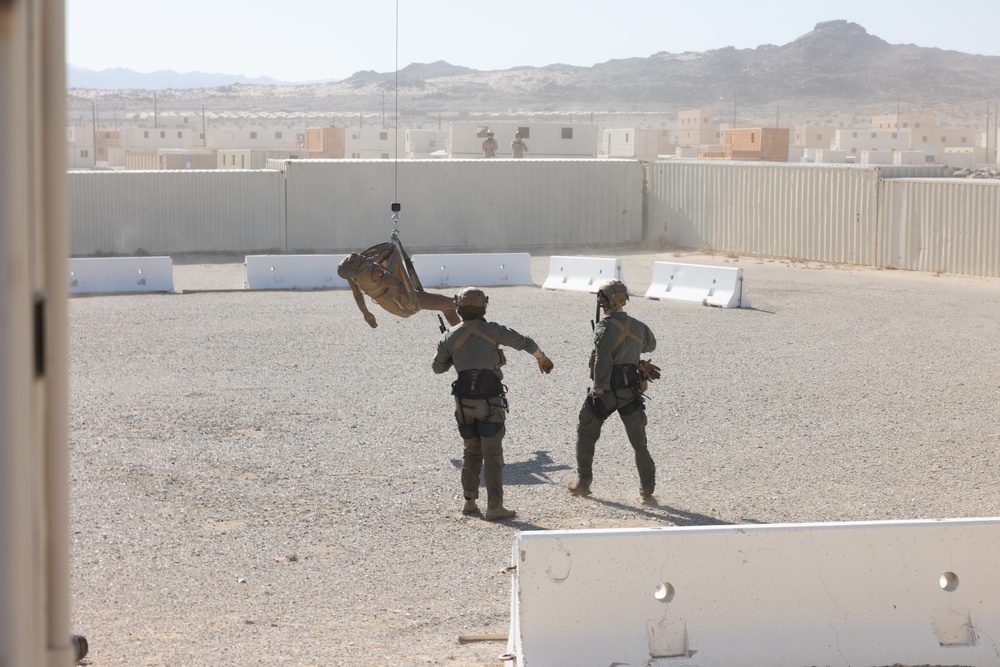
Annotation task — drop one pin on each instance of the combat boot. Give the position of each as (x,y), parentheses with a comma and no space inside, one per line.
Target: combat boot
(498,513)
(470,506)
(579,488)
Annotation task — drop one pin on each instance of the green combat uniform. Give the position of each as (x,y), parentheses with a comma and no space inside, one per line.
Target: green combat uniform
(472,347)
(618,342)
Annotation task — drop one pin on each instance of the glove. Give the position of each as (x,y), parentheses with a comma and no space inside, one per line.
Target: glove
(648,369)
(545,365)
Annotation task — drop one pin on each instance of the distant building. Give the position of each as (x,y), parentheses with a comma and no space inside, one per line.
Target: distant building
(544,140)
(812,136)
(903,122)
(695,128)
(640,144)
(324,142)
(371,143)
(248,158)
(422,144)
(758,144)
(170,158)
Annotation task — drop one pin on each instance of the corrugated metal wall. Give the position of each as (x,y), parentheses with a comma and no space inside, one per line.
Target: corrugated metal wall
(873,216)
(463,204)
(818,212)
(164,212)
(943,225)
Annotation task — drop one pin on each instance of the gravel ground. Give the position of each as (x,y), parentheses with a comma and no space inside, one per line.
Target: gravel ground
(258,478)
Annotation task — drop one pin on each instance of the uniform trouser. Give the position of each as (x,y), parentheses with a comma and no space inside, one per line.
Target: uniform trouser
(481,422)
(588,431)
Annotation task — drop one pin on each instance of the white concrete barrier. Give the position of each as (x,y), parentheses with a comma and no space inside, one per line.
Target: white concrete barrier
(88,275)
(292,272)
(876,593)
(582,274)
(479,269)
(711,285)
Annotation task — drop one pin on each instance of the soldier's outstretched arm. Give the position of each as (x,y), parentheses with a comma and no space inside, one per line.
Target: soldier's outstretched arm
(359,299)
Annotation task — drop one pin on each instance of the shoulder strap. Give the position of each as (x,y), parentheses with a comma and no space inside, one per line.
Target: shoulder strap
(469,329)
(625,329)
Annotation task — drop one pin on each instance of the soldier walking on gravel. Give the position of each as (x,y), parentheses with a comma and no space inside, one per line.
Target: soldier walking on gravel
(473,348)
(618,374)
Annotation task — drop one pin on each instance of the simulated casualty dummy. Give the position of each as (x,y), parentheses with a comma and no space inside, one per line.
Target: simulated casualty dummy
(619,378)
(385,273)
(473,349)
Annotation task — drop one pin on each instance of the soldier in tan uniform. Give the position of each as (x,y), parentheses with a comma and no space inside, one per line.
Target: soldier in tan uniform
(518,147)
(381,273)
(473,348)
(490,145)
(618,342)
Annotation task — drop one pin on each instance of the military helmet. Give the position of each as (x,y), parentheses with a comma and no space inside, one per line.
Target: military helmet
(612,295)
(471,297)
(489,133)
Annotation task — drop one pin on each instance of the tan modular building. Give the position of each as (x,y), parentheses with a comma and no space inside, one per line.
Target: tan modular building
(170,159)
(325,142)
(897,121)
(812,136)
(695,128)
(544,140)
(630,143)
(759,144)
(248,158)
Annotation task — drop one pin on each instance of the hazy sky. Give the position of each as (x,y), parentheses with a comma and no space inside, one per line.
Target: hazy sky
(305,40)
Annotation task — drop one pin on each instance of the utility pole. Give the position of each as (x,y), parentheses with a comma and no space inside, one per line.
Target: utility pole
(93,127)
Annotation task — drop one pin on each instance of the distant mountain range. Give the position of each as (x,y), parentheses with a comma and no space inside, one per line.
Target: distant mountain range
(836,65)
(125,79)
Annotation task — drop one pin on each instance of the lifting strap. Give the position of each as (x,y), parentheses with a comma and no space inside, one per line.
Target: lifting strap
(393,259)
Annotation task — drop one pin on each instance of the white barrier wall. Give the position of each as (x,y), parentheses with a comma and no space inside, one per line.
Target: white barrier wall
(710,285)
(121,274)
(787,595)
(581,274)
(479,269)
(293,272)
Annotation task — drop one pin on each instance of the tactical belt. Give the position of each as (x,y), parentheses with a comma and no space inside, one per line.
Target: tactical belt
(624,376)
(477,383)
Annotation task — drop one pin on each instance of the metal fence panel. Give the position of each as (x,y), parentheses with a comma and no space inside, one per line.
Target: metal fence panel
(339,205)
(163,212)
(941,225)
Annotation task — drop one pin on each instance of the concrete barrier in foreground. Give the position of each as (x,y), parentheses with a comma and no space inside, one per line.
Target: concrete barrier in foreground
(292,272)
(786,595)
(479,269)
(581,274)
(90,275)
(709,285)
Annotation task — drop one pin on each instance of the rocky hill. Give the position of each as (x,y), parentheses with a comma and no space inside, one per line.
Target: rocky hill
(836,65)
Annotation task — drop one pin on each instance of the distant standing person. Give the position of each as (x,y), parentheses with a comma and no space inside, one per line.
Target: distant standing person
(518,147)
(473,349)
(489,145)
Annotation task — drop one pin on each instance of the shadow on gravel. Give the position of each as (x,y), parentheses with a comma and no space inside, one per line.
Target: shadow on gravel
(663,513)
(533,471)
